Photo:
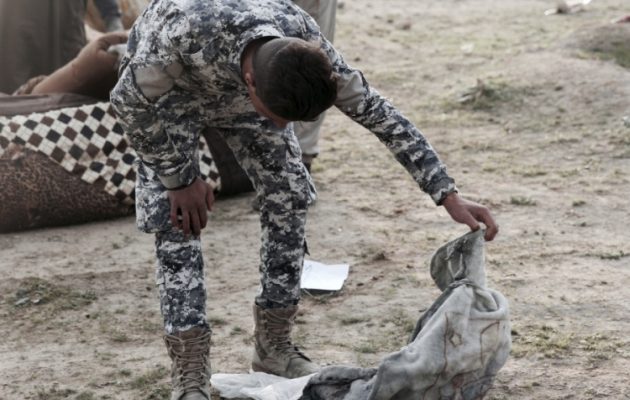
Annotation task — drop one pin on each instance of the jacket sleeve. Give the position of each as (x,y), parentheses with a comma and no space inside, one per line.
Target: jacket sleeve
(367,107)
(160,119)
(165,136)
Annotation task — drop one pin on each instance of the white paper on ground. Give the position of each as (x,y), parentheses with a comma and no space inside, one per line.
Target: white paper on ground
(259,386)
(318,276)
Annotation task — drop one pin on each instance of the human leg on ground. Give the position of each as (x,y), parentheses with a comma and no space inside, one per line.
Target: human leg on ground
(180,281)
(271,159)
(182,291)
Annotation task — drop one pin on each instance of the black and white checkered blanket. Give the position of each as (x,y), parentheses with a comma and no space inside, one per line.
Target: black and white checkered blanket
(88,141)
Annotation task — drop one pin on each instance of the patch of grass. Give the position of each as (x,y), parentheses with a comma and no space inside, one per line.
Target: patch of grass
(389,77)
(389,294)
(609,42)
(543,340)
(217,321)
(622,154)
(617,51)
(148,381)
(365,360)
(479,146)
(610,255)
(353,320)
(564,140)
(600,345)
(319,297)
(569,173)
(391,333)
(85,396)
(104,356)
(401,321)
(552,343)
(149,325)
(487,95)
(531,172)
(398,326)
(522,201)
(160,392)
(53,393)
(237,330)
(119,337)
(369,347)
(623,139)
(34,292)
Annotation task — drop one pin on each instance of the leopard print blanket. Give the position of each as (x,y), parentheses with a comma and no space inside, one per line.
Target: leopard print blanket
(73,165)
(89,142)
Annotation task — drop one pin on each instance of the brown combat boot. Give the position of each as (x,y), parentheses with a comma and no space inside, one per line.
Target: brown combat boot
(274,353)
(190,374)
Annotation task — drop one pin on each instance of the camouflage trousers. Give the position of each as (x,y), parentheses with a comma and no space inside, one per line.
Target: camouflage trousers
(272,160)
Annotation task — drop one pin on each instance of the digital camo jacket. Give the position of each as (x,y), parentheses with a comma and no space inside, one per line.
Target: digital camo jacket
(182,72)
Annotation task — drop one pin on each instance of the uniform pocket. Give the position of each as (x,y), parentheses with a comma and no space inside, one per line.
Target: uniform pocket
(153,81)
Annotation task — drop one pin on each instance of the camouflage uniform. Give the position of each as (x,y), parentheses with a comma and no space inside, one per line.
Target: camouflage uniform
(181,73)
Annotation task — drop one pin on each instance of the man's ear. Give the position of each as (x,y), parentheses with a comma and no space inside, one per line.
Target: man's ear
(249,80)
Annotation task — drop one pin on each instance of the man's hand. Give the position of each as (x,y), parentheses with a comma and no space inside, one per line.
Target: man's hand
(92,72)
(191,204)
(94,61)
(470,213)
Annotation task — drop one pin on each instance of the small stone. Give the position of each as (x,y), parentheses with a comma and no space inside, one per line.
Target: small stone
(22,301)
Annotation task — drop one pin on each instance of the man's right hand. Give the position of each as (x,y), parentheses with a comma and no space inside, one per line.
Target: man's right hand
(92,72)
(191,204)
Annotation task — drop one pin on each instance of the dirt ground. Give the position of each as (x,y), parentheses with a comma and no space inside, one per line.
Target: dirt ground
(527,112)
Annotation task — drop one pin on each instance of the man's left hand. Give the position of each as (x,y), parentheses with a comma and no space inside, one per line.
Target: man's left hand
(470,213)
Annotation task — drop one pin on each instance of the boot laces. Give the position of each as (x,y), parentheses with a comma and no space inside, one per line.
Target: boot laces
(190,360)
(281,335)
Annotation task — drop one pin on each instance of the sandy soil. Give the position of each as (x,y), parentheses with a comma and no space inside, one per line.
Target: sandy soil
(539,139)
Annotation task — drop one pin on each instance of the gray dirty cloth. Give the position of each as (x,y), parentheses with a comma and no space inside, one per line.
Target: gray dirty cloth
(456,349)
